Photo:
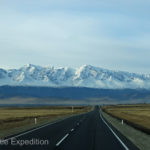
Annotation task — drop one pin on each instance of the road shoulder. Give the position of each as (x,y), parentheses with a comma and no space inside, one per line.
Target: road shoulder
(138,138)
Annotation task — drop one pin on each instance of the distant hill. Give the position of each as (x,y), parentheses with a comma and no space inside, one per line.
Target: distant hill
(82,94)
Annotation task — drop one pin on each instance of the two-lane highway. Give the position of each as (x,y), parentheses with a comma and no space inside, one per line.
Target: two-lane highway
(88,131)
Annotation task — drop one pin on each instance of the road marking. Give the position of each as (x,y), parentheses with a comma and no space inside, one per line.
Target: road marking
(62,139)
(29,131)
(126,148)
(72,130)
(37,128)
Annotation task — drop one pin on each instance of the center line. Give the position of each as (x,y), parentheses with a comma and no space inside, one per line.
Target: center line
(62,139)
(72,130)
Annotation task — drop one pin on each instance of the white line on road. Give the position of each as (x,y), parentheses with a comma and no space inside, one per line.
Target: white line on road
(62,139)
(37,128)
(29,131)
(126,148)
(72,130)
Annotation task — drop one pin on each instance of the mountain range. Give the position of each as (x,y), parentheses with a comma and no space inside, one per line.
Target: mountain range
(84,76)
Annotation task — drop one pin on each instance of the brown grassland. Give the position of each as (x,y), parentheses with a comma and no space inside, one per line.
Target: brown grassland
(17,119)
(136,115)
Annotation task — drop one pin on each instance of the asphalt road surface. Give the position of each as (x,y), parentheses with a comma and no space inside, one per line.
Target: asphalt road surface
(88,131)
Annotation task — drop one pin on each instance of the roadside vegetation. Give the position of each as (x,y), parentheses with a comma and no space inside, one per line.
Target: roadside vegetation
(136,120)
(17,119)
(137,116)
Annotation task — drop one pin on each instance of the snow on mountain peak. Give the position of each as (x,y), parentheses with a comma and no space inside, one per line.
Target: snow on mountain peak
(30,66)
(85,76)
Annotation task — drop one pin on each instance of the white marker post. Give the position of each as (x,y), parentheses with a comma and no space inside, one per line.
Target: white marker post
(122,122)
(35,120)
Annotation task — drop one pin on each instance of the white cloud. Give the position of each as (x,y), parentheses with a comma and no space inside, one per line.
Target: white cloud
(75,33)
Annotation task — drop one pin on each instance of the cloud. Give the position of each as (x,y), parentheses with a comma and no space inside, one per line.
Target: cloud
(103,33)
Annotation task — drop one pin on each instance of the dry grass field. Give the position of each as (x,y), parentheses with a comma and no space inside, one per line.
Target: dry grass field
(17,119)
(135,115)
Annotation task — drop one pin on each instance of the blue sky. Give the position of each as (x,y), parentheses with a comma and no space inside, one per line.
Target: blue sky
(113,34)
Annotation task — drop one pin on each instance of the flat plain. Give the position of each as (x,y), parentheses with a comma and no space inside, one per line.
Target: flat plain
(18,119)
(136,115)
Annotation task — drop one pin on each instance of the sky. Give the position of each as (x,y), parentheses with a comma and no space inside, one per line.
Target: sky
(112,34)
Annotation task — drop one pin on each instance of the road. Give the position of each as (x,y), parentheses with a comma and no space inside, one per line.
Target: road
(88,131)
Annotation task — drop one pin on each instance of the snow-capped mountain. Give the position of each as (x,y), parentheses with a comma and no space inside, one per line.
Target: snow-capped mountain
(85,76)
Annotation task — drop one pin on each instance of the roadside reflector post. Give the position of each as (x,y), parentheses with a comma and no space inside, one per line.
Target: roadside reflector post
(122,122)
(35,120)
